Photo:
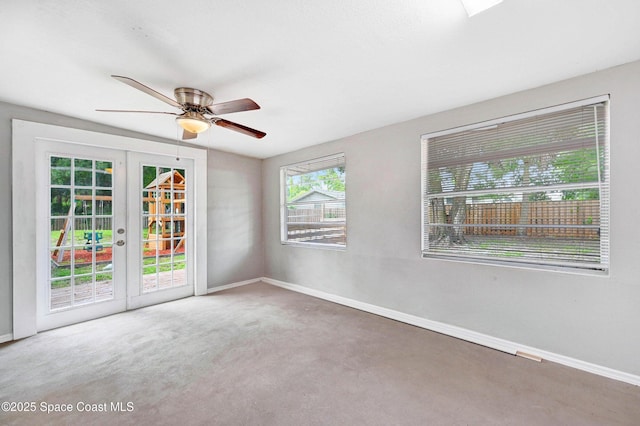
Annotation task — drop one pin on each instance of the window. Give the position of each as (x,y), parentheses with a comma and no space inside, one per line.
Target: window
(530,189)
(313,202)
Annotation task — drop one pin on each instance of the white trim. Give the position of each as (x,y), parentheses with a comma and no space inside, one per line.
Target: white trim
(24,232)
(232,285)
(6,338)
(461,333)
(340,158)
(423,190)
(24,138)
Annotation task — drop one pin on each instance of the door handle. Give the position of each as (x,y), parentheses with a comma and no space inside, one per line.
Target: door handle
(120,243)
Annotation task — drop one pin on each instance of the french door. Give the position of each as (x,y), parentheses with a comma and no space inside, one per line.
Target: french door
(161,242)
(114,231)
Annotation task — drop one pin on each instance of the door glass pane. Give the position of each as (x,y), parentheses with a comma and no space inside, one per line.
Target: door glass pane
(80,233)
(84,202)
(60,201)
(60,293)
(179,271)
(104,285)
(104,202)
(164,222)
(83,172)
(60,171)
(104,171)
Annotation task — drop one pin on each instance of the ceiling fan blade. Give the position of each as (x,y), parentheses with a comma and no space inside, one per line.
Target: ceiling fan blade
(149,91)
(129,110)
(240,128)
(238,105)
(188,135)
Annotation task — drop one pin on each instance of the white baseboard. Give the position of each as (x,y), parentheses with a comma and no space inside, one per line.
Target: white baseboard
(6,338)
(461,333)
(232,285)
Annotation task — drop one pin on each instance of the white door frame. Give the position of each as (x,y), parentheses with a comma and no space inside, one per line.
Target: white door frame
(26,135)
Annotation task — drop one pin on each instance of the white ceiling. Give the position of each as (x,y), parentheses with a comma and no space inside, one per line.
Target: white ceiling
(320,70)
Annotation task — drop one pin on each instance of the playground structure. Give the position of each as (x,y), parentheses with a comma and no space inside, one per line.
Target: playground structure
(166,220)
(89,236)
(166,200)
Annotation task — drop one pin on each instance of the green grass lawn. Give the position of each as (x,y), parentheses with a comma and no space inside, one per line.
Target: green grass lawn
(163,265)
(79,239)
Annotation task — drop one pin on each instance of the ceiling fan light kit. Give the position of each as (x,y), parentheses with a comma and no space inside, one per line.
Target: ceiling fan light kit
(196,105)
(193,122)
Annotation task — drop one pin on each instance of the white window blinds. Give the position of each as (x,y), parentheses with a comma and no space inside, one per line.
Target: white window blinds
(531,188)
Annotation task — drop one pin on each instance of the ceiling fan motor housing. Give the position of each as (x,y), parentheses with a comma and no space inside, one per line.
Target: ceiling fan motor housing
(187,95)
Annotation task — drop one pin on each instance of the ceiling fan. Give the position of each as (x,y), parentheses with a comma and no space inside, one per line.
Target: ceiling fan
(198,109)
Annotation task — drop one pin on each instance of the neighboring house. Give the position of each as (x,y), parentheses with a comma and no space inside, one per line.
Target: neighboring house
(330,199)
(317,206)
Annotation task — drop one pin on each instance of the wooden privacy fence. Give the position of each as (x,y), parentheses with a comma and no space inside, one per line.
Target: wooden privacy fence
(567,218)
(317,225)
(82,223)
(326,232)
(318,214)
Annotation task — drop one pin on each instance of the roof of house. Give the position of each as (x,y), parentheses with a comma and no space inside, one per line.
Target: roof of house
(321,195)
(164,177)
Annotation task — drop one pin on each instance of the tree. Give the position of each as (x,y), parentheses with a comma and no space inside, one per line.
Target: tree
(60,174)
(579,166)
(457,177)
(148,175)
(300,184)
(332,179)
(458,213)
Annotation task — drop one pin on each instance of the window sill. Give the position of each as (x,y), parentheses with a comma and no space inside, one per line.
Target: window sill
(334,247)
(574,270)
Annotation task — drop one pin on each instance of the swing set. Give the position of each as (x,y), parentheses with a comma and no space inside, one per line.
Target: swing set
(89,236)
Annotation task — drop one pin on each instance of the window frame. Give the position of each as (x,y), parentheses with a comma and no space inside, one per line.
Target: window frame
(604,196)
(339,160)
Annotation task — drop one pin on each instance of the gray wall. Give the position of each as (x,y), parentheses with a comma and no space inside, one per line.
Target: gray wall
(234,183)
(590,318)
(234,218)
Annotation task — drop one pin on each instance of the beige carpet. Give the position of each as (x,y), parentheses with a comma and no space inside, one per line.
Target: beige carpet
(260,355)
